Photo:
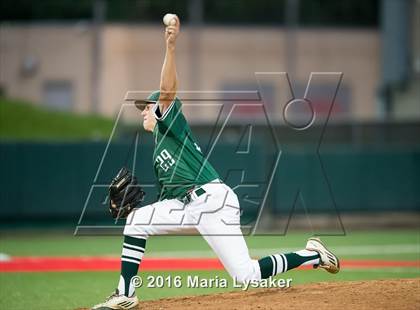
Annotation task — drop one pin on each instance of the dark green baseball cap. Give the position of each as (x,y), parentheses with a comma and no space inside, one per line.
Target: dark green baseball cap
(152,98)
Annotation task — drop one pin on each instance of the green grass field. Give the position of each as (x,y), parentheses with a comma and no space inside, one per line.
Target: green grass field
(69,290)
(20,120)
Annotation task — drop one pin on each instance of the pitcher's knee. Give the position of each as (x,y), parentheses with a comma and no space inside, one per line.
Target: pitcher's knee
(136,231)
(132,229)
(251,272)
(137,223)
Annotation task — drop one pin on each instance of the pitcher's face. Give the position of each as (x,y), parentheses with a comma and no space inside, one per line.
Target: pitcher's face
(149,120)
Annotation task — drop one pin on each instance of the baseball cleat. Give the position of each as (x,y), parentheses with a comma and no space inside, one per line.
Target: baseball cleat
(118,302)
(328,260)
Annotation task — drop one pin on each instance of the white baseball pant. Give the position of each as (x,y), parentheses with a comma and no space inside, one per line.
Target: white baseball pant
(215,215)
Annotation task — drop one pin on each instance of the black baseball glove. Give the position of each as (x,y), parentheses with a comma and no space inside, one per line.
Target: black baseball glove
(124,193)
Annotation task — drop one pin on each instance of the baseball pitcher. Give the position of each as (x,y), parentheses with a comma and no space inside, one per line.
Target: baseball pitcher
(192,198)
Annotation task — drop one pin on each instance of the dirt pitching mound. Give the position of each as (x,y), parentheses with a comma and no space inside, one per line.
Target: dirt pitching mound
(378,294)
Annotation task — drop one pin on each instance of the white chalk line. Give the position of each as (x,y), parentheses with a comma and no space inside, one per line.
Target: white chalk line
(356,250)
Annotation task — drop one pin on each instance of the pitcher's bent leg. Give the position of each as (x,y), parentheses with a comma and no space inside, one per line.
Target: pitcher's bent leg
(163,217)
(234,255)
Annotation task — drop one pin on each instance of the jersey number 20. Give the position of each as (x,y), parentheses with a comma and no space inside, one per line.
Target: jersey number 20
(165,160)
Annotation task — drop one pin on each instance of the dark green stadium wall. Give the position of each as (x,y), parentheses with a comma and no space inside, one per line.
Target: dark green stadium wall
(53,180)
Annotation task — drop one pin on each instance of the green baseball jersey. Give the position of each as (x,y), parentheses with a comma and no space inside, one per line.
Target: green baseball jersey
(178,162)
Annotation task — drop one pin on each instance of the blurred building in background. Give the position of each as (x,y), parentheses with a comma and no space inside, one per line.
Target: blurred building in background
(89,66)
(53,65)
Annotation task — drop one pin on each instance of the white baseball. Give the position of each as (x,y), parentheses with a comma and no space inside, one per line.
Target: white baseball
(169,19)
